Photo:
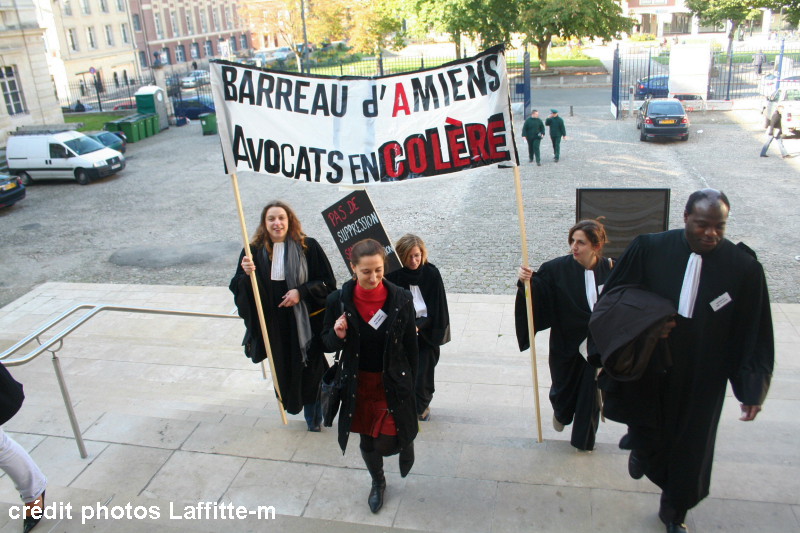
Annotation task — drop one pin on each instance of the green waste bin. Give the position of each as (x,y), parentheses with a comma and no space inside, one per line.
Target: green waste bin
(113,125)
(148,125)
(140,125)
(129,128)
(209,123)
(152,119)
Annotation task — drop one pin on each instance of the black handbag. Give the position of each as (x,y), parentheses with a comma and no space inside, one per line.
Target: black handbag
(330,391)
(11,395)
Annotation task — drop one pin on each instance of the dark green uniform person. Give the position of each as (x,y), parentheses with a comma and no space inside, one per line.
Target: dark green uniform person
(557,130)
(533,131)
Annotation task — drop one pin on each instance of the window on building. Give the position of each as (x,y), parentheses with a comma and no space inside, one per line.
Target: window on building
(143,58)
(67,8)
(137,24)
(123,29)
(233,45)
(209,47)
(203,20)
(216,19)
(243,41)
(121,5)
(90,37)
(195,50)
(85,8)
(159,25)
(189,22)
(176,31)
(166,56)
(72,36)
(228,19)
(12,93)
(180,53)
(104,6)
(109,35)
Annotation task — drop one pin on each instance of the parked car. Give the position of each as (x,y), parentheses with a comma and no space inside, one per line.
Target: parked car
(173,86)
(196,78)
(126,105)
(767,84)
(282,54)
(652,86)
(11,190)
(107,138)
(662,117)
(62,154)
(192,108)
(789,98)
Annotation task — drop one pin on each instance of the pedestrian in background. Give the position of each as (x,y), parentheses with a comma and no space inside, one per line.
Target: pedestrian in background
(758,61)
(294,279)
(533,131)
(775,131)
(372,321)
(430,303)
(557,131)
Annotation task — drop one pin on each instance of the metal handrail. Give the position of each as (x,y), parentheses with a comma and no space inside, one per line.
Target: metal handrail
(95,309)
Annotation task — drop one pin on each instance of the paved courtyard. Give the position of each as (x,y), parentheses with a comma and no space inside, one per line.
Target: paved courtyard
(170,217)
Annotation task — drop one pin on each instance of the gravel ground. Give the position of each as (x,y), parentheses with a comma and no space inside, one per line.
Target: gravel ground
(171,218)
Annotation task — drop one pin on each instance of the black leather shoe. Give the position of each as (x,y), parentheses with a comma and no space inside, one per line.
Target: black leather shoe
(636,464)
(406,459)
(29,522)
(375,499)
(677,528)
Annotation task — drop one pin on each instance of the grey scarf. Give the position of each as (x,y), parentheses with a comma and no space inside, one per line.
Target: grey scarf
(296,274)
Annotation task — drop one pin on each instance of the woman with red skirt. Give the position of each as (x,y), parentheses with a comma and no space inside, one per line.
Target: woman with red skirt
(372,322)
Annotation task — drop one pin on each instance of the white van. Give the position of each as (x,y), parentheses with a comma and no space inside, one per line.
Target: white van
(60,155)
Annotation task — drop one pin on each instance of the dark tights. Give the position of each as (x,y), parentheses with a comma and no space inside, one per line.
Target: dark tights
(385,445)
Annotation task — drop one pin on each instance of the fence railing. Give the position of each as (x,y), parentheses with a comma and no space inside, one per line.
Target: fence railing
(55,343)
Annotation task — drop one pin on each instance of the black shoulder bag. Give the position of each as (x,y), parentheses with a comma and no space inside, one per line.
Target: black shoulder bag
(11,395)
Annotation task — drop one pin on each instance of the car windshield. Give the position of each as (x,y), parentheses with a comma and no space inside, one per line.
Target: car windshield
(666,108)
(83,145)
(108,138)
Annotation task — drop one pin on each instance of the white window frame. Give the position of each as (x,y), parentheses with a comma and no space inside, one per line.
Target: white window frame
(12,90)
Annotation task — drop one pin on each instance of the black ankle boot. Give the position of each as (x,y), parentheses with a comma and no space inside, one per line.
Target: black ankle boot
(374,462)
(406,459)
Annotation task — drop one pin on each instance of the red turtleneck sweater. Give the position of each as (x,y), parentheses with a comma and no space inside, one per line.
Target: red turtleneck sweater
(369,301)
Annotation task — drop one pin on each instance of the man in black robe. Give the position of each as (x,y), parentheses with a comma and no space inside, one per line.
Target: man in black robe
(723,332)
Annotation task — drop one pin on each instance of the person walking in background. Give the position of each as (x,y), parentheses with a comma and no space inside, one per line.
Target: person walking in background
(775,131)
(564,291)
(533,131)
(758,61)
(722,332)
(557,131)
(430,303)
(294,279)
(372,321)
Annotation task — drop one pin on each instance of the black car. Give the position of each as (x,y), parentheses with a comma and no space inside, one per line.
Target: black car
(662,117)
(192,108)
(11,190)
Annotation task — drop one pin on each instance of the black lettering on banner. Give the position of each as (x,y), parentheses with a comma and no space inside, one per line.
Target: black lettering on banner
(266,84)
(255,154)
(272,157)
(370,105)
(333,157)
(289,173)
(283,93)
(424,95)
(445,88)
(246,88)
(239,144)
(320,102)
(303,164)
(490,64)
(300,86)
(228,77)
(353,219)
(453,75)
(342,109)
(318,152)
(476,80)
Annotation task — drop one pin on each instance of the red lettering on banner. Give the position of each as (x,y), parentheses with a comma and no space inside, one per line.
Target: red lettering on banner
(436,150)
(391,150)
(476,140)
(455,141)
(416,155)
(351,203)
(337,216)
(495,136)
(400,100)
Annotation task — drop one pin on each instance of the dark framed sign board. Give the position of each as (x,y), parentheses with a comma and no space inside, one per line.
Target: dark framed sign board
(628,213)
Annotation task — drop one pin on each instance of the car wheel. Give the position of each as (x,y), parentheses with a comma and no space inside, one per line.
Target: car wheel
(638,125)
(642,136)
(81,176)
(26,179)
(685,138)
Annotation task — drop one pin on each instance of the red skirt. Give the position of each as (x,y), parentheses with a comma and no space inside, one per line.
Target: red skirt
(372,415)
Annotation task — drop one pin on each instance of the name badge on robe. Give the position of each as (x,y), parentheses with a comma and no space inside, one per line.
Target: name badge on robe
(377,319)
(721,301)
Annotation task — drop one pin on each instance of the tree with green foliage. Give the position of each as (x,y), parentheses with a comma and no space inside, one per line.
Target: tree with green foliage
(733,11)
(791,11)
(541,20)
(376,25)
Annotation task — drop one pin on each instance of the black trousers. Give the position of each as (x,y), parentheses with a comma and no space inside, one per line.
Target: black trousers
(424,387)
(573,395)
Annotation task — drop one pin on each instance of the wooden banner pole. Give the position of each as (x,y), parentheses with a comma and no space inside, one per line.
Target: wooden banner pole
(528,301)
(257,296)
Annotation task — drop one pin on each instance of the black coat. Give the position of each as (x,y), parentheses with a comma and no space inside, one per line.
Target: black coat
(434,329)
(298,384)
(399,358)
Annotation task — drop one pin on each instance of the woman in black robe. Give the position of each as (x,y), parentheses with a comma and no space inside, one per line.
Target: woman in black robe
(564,291)
(430,303)
(294,279)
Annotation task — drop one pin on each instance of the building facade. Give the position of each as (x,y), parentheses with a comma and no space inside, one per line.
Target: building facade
(182,32)
(28,95)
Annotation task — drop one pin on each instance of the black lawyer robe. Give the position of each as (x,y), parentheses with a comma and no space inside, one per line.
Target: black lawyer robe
(559,300)
(298,383)
(673,414)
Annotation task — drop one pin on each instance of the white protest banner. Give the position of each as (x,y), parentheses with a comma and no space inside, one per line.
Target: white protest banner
(357,131)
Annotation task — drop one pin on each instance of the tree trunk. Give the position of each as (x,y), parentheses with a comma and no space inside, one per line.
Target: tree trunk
(457,41)
(541,49)
(731,34)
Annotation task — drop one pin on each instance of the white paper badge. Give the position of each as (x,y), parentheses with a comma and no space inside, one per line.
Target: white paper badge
(377,319)
(721,301)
